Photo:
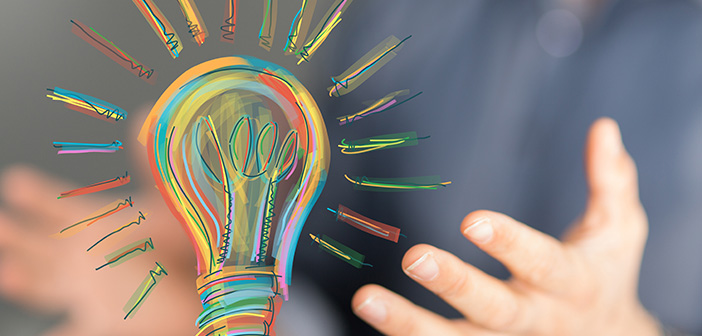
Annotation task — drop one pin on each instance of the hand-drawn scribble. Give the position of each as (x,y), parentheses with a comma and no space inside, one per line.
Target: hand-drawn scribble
(108,48)
(250,293)
(196,26)
(299,27)
(228,27)
(103,212)
(144,290)
(384,104)
(125,230)
(340,250)
(88,105)
(267,32)
(240,152)
(366,66)
(161,26)
(321,32)
(379,142)
(99,186)
(366,224)
(128,252)
(397,184)
(81,148)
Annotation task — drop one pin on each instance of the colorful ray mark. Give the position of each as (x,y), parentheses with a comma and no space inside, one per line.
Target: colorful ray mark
(99,186)
(161,26)
(384,104)
(321,32)
(340,251)
(108,48)
(397,184)
(229,26)
(144,290)
(300,26)
(366,224)
(128,252)
(379,142)
(103,212)
(88,105)
(196,26)
(124,229)
(267,33)
(80,148)
(366,66)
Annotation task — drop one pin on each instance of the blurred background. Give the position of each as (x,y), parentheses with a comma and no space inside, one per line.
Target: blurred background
(509,91)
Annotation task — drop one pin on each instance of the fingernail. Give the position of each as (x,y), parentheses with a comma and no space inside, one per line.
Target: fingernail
(480,231)
(372,310)
(424,269)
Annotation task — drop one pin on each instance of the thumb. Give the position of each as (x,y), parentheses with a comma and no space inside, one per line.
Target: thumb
(613,212)
(610,170)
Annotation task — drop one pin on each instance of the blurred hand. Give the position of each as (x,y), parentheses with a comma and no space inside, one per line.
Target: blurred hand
(58,276)
(585,284)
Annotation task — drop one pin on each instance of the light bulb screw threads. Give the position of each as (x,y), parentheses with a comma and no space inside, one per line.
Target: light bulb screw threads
(238,302)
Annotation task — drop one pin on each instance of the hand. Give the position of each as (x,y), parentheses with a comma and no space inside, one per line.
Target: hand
(585,284)
(58,276)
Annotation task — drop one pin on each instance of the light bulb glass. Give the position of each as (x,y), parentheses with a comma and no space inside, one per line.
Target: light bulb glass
(240,152)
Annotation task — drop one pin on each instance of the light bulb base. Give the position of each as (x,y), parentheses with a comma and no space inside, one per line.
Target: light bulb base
(238,301)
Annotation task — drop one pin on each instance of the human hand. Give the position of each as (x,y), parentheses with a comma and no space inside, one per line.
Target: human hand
(585,284)
(58,276)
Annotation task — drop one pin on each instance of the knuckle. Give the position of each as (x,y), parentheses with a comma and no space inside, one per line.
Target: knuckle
(456,286)
(501,314)
(406,326)
(506,240)
(541,266)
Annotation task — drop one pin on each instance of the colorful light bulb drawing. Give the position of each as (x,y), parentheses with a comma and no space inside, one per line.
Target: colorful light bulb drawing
(240,152)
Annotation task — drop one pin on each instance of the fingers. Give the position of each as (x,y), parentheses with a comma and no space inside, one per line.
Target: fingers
(27,190)
(482,299)
(531,256)
(24,265)
(392,314)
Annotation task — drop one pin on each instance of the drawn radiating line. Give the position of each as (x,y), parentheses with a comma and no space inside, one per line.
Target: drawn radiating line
(397,184)
(384,104)
(366,224)
(124,229)
(300,26)
(228,27)
(366,66)
(196,26)
(267,32)
(144,290)
(339,250)
(128,252)
(161,26)
(99,186)
(387,141)
(108,48)
(88,105)
(81,148)
(322,31)
(103,212)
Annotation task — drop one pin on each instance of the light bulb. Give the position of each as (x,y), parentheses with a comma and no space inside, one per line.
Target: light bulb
(240,152)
